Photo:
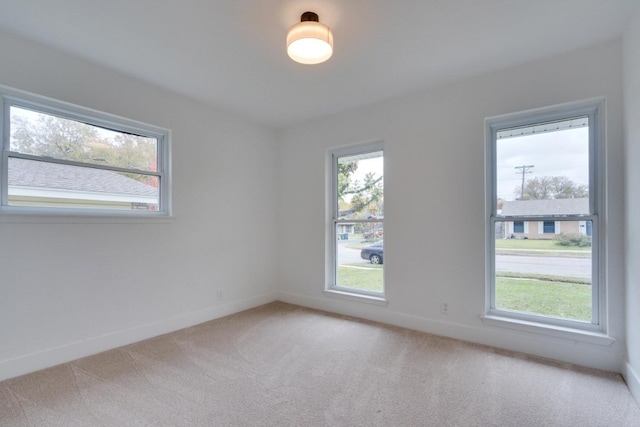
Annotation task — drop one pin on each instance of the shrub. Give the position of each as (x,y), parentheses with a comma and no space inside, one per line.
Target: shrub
(572,239)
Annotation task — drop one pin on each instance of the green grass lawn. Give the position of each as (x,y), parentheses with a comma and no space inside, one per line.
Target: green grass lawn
(564,297)
(539,248)
(363,276)
(552,298)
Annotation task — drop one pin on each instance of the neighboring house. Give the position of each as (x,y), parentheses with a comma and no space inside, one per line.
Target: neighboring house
(34,183)
(345,228)
(544,229)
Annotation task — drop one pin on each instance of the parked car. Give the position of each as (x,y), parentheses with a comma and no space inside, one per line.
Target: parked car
(373,252)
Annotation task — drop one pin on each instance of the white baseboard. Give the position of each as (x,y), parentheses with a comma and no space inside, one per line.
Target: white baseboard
(499,338)
(633,381)
(54,356)
(583,354)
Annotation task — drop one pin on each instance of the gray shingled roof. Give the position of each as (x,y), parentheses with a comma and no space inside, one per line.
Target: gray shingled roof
(545,207)
(29,173)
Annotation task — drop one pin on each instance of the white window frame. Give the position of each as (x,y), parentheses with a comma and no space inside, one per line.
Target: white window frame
(594,110)
(12,97)
(331,288)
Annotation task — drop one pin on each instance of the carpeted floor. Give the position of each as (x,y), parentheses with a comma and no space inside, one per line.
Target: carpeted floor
(282,365)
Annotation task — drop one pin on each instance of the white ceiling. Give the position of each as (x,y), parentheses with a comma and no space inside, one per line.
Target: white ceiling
(231,53)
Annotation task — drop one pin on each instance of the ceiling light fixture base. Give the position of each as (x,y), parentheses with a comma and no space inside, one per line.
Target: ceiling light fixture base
(309,42)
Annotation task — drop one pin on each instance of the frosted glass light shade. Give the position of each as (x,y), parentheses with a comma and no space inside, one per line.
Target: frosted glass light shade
(309,42)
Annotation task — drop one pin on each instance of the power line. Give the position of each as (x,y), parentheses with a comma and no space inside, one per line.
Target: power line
(524,169)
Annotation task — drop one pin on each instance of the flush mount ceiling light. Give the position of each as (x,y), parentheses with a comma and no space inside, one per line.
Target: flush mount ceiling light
(309,42)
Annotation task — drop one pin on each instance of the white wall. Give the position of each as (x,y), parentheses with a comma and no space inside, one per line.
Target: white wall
(67,290)
(434,200)
(632,201)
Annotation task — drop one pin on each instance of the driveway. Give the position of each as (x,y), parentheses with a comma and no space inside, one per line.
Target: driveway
(348,255)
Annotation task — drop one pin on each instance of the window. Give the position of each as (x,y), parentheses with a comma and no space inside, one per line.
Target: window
(357,221)
(518,226)
(543,169)
(549,227)
(60,158)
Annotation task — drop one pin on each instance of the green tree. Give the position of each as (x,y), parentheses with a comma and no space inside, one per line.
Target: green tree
(564,188)
(356,196)
(552,187)
(345,170)
(45,135)
(51,136)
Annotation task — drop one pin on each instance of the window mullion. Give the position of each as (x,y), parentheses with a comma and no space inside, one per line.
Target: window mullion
(17,155)
(4,179)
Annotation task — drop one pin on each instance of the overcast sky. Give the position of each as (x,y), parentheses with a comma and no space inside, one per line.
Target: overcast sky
(559,153)
(372,162)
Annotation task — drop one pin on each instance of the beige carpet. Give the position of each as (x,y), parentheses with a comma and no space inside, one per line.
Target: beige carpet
(282,365)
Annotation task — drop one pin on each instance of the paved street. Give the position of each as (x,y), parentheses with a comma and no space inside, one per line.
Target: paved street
(556,266)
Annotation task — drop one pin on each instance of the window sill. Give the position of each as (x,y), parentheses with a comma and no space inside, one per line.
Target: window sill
(369,299)
(75,218)
(549,330)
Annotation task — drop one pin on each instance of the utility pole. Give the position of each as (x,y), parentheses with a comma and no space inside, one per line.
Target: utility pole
(524,169)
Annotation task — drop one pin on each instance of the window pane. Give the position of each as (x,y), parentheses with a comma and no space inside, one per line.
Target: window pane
(549,276)
(543,169)
(359,262)
(361,186)
(35,183)
(360,259)
(45,135)
(543,212)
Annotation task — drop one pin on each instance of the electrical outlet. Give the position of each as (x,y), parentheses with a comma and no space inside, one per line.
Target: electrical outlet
(444,307)
(219,294)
